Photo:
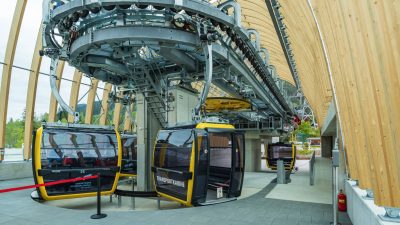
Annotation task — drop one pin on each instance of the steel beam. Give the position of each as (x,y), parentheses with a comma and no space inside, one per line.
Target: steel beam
(31,96)
(7,68)
(273,8)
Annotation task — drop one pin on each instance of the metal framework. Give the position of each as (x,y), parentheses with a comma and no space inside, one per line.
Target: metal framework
(97,38)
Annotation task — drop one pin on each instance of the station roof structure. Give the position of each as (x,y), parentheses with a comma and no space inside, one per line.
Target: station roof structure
(346,54)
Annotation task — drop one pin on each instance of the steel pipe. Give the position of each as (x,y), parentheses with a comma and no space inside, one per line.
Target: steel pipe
(56,94)
(207,48)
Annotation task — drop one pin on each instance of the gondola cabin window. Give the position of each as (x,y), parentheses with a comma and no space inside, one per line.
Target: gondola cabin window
(78,150)
(220,160)
(129,155)
(221,150)
(279,152)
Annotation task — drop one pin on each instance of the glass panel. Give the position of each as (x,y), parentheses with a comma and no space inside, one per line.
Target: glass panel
(200,190)
(220,160)
(62,149)
(15,125)
(172,160)
(129,155)
(277,152)
(175,148)
(237,177)
(220,150)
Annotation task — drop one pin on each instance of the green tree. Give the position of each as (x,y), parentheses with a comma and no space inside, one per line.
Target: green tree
(305,130)
(14,133)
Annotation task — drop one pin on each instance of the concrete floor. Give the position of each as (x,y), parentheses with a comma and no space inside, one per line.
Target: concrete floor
(299,188)
(253,208)
(253,183)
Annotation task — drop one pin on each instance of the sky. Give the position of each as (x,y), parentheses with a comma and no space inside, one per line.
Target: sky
(23,58)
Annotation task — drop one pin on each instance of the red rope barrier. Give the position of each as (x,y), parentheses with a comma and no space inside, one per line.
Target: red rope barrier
(73,180)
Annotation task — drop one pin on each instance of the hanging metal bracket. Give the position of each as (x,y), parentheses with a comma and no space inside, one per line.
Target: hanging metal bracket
(207,49)
(55,92)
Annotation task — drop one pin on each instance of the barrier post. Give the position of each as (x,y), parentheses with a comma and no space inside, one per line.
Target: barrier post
(281,173)
(335,183)
(98,215)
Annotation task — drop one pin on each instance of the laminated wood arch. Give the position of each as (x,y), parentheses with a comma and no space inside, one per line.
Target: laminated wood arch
(75,87)
(105,104)
(117,115)
(90,101)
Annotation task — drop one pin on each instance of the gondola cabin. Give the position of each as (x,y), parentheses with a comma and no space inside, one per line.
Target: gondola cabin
(199,164)
(281,151)
(71,151)
(129,155)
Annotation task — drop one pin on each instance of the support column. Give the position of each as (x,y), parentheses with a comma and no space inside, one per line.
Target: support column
(90,101)
(73,99)
(31,96)
(53,101)
(147,129)
(104,104)
(326,146)
(253,152)
(7,68)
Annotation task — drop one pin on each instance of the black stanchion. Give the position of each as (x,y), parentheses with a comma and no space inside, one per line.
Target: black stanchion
(98,215)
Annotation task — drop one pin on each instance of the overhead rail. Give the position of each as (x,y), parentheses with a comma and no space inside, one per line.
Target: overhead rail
(277,18)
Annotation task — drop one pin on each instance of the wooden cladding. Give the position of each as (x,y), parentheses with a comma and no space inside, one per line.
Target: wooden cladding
(362,39)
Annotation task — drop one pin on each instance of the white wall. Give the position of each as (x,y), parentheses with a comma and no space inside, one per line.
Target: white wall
(15,170)
(362,211)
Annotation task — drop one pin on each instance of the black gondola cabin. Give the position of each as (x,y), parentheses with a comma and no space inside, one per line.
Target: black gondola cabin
(199,164)
(69,151)
(281,151)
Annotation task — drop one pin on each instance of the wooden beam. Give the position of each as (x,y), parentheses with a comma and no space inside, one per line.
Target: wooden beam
(90,101)
(7,68)
(117,115)
(75,87)
(128,123)
(31,96)
(53,101)
(104,104)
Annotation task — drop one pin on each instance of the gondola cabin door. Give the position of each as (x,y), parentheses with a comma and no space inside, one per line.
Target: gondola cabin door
(199,165)
(225,165)
(174,164)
